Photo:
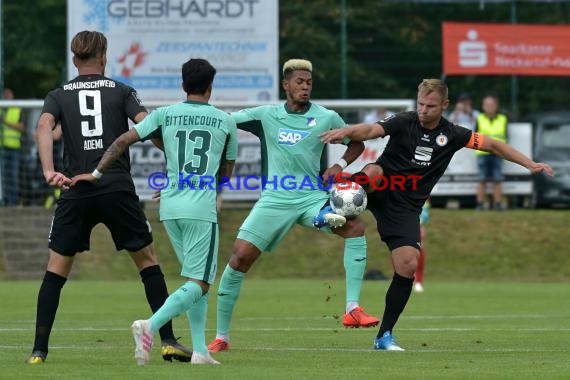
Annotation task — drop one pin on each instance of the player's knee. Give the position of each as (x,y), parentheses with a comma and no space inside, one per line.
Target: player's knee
(243,256)
(203,285)
(144,257)
(406,268)
(373,170)
(354,228)
(241,263)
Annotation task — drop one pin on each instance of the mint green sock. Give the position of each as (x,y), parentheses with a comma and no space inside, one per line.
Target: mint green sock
(176,304)
(197,315)
(228,293)
(354,266)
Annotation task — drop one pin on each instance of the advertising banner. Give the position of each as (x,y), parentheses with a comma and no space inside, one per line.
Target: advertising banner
(149,40)
(494,49)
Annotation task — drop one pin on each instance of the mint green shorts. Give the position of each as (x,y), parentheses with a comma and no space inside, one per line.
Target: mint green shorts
(272,218)
(196,245)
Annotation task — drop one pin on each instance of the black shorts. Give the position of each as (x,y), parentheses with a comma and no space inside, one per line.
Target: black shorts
(121,212)
(397,226)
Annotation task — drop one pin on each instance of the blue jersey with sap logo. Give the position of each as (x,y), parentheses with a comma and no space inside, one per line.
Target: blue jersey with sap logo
(293,156)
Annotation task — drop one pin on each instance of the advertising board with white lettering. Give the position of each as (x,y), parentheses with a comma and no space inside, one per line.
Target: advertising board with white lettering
(491,49)
(149,40)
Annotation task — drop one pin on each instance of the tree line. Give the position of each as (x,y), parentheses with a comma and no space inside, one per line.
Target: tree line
(390,47)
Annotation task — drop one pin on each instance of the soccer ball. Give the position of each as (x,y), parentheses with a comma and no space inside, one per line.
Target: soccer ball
(348,199)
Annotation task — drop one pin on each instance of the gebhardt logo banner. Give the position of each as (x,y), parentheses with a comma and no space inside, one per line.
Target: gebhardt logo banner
(505,49)
(149,40)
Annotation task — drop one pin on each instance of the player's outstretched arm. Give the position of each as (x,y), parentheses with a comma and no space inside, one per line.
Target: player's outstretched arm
(356,132)
(510,153)
(111,154)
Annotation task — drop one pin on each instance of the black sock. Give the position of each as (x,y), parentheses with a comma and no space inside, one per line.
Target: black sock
(156,293)
(396,299)
(48,301)
(362,179)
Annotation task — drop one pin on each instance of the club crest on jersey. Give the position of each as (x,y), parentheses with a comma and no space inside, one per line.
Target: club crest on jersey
(441,140)
(311,122)
(290,136)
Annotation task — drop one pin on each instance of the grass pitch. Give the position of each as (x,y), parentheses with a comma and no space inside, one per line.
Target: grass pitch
(291,329)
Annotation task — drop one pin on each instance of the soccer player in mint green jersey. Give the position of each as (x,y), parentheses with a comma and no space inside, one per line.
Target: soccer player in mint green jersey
(291,147)
(195,136)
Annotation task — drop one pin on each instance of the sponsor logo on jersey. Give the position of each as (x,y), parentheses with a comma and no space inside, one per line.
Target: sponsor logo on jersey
(423,153)
(425,138)
(311,122)
(388,118)
(441,140)
(290,136)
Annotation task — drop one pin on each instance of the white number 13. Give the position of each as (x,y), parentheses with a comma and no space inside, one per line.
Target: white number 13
(95,112)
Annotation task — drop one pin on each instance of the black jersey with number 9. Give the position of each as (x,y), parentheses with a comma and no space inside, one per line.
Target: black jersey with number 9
(93,111)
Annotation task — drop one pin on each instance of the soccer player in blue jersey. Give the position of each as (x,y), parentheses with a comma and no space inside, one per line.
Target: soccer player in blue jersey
(291,147)
(195,136)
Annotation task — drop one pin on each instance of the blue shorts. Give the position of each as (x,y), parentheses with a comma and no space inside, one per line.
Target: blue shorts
(490,168)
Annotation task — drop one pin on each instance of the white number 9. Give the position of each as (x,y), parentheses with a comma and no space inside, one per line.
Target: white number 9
(95,112)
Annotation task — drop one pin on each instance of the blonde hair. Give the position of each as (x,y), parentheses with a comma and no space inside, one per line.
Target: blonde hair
(434,85)
(296,64)
(89,44)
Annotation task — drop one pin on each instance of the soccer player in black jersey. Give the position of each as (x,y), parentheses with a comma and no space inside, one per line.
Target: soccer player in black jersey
(93,111)
(420,148)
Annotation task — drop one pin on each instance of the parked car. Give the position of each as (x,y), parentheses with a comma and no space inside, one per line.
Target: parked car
(551,140)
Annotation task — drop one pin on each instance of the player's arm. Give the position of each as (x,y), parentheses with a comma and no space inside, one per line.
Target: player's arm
(356,132)
(157,142)
(499,148)
(230,153)
(353,150)
(44,136)
(226,171)
(116,149)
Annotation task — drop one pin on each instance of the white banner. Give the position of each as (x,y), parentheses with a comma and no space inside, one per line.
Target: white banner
(149,40)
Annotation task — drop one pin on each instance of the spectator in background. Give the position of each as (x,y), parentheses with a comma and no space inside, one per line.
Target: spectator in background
(494,124)
(380,113)
(463,114)
(13,126)
(424,219)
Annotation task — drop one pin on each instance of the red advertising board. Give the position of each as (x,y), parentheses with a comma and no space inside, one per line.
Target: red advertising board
(494,49)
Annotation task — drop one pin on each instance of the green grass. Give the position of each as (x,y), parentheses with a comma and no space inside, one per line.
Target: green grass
(290,329)
(521,245)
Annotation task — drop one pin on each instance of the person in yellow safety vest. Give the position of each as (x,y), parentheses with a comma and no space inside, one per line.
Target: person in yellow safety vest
(11,140)
(494,124)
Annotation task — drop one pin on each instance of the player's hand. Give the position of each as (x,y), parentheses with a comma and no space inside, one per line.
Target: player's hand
(331,173)
(539,167)
(85,177)
(335,136)
(57,179)
(156,196)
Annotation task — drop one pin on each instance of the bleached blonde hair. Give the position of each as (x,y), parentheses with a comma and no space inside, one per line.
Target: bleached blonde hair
(296,64)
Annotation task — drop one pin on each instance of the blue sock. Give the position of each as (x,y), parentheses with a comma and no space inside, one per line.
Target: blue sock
(176,304)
